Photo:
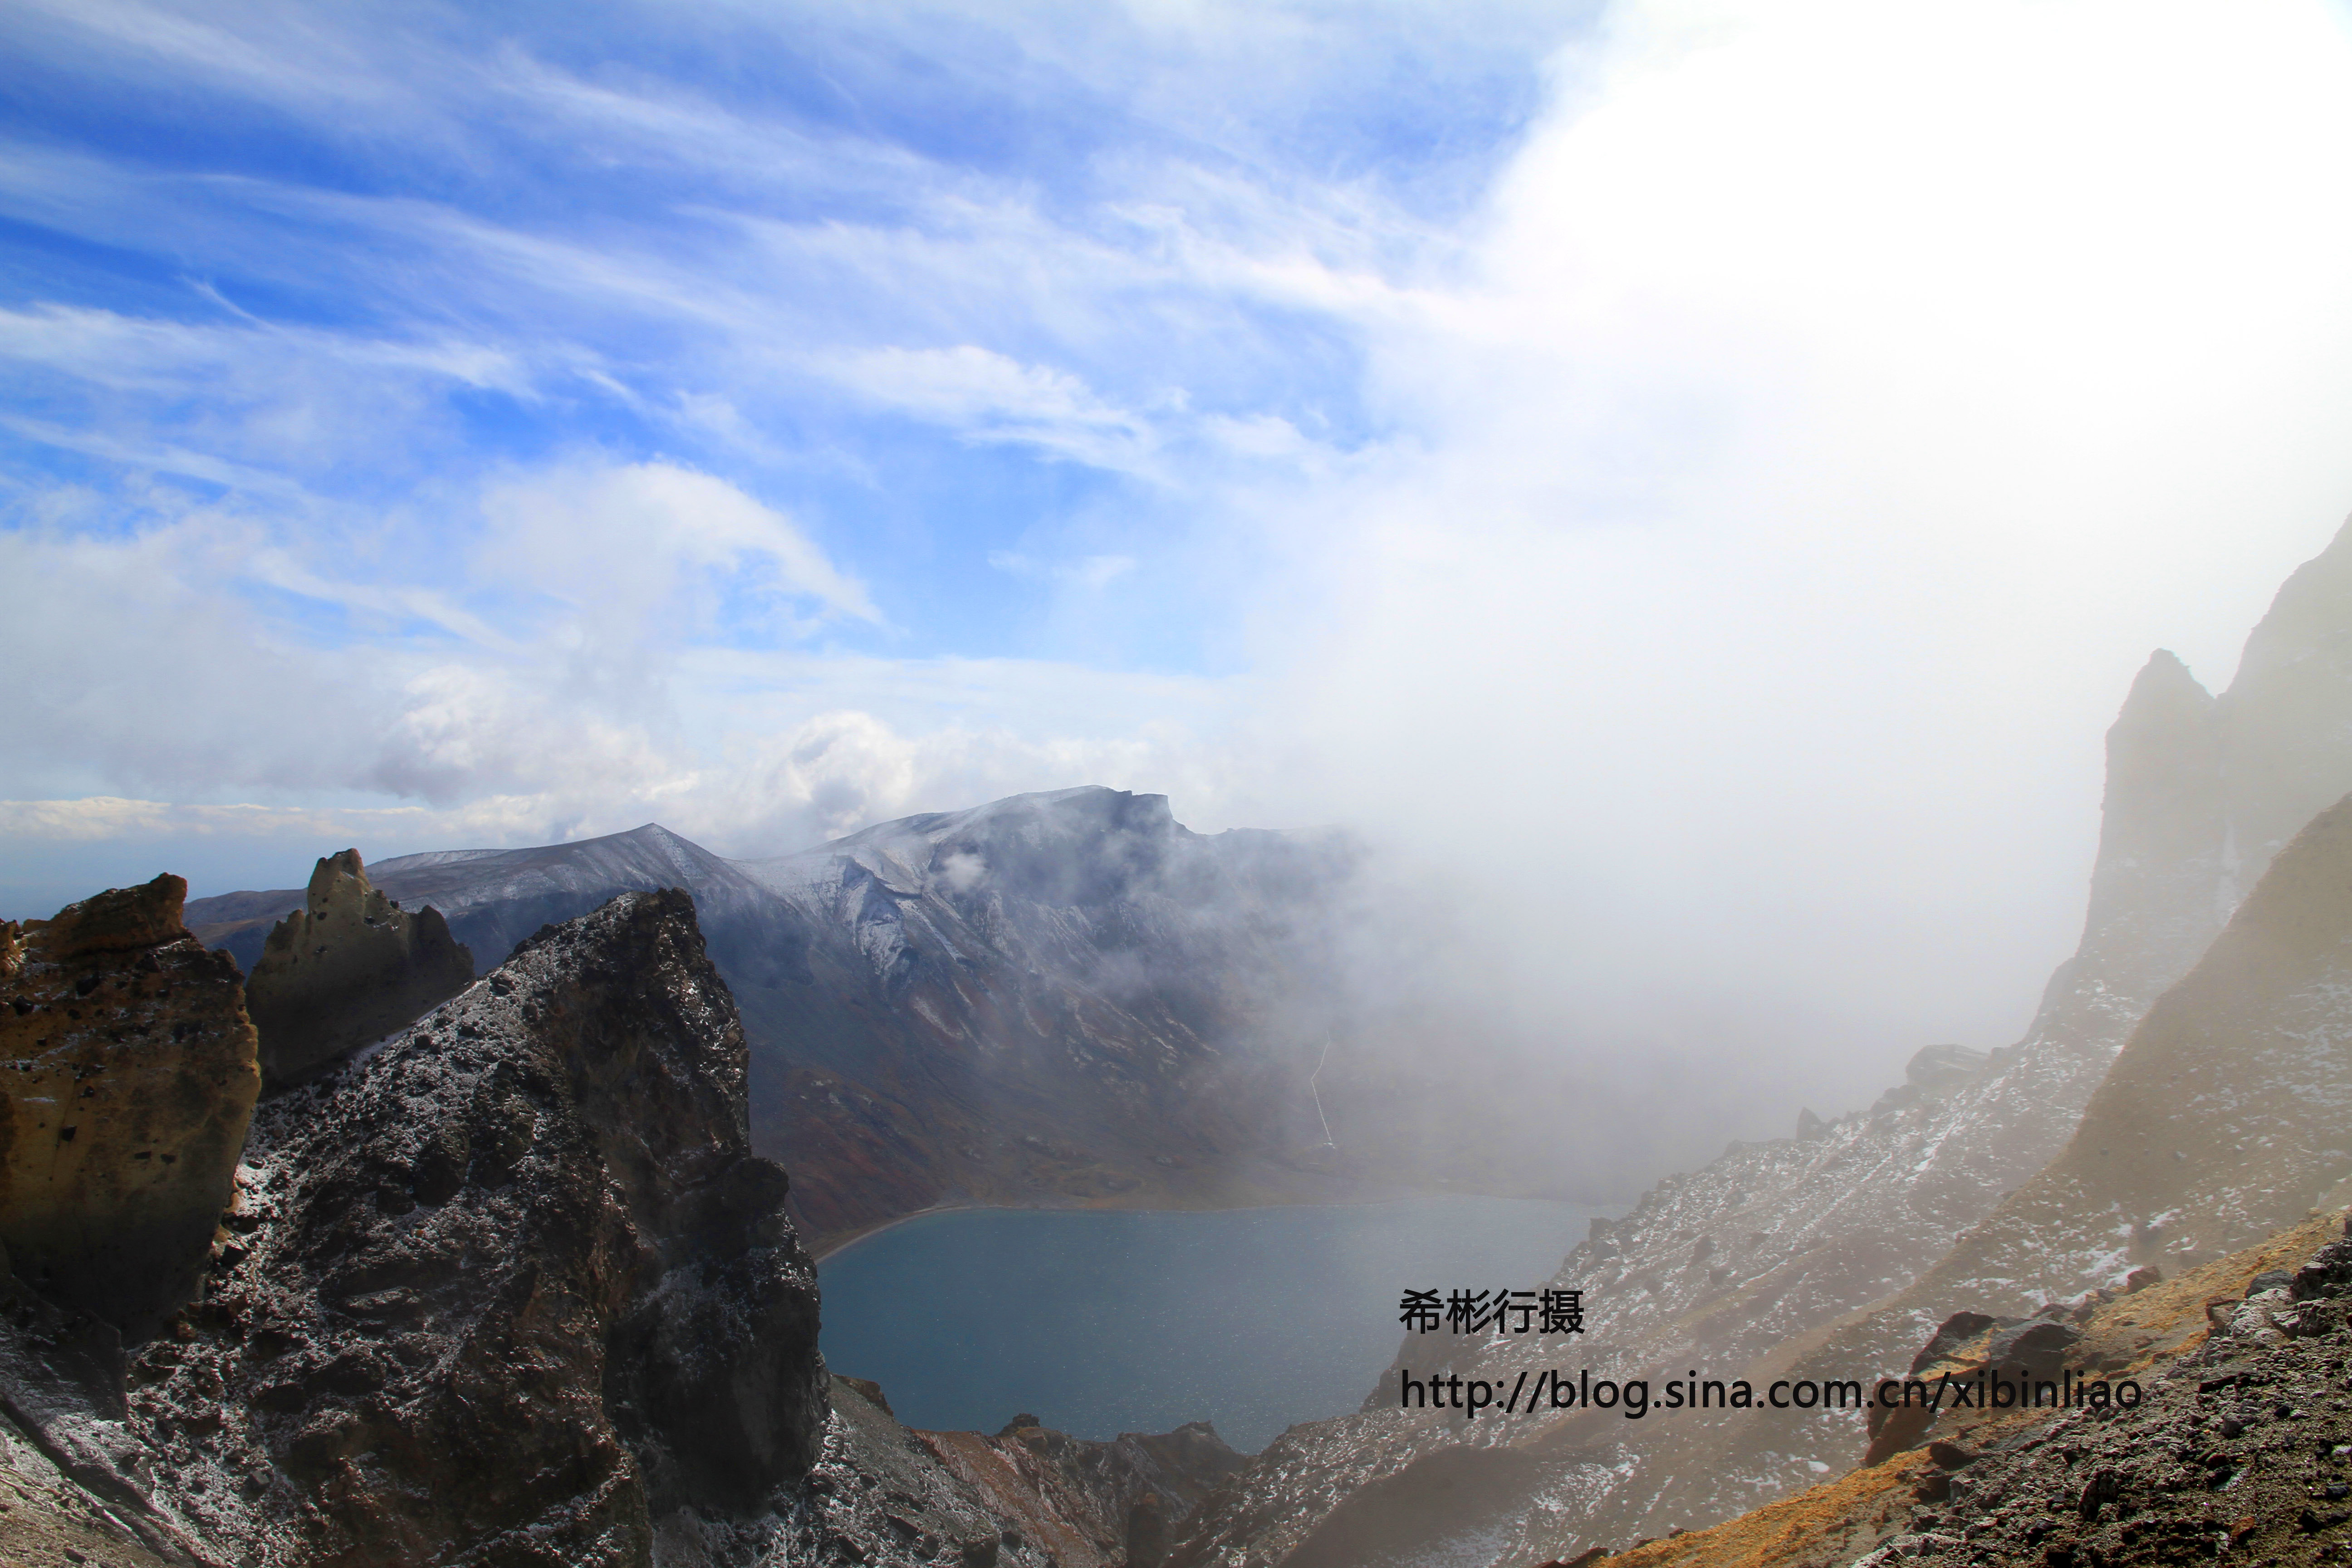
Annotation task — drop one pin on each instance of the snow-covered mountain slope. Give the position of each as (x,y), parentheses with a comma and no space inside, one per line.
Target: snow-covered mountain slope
(2223,1118)
(2221,1121)
(1066,997)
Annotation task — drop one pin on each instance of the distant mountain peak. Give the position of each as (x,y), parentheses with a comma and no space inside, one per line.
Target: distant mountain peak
(1079,811)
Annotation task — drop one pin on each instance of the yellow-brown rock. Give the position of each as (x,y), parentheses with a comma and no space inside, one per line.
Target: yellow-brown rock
(131,1074)
(347,969)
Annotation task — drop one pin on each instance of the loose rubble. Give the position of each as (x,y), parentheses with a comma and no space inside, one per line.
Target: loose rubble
(2238,1450)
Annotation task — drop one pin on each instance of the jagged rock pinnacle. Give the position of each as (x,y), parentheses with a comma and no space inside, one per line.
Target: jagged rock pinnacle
(348,968)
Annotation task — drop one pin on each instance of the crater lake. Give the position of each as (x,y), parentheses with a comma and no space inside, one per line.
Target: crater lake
(1103,1322)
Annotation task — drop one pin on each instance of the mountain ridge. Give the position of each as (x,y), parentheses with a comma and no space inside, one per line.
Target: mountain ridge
(1064,997)
(507,1286)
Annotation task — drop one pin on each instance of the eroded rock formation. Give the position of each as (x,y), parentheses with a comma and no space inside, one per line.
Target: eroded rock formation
(2285,748)
(349,967)
(129,1072)
(1088,1504)
(2224,1117)
(2235,1450)
(1803,1230)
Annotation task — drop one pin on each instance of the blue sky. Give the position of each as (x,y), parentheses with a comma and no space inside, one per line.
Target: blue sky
(1671,468)
(965,299)
(978,317)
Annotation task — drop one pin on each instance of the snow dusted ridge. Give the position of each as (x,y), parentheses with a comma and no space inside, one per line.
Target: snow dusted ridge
(1056,998)
(1773,1255)
(493,898)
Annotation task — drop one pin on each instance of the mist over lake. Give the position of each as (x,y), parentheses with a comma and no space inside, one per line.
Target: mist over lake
(1101,1323)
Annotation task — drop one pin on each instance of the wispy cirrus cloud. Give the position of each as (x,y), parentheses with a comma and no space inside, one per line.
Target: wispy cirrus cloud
(983,395)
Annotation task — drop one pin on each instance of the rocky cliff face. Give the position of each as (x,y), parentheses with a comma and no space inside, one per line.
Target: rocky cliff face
(349,967)
(2285,746)
(2234,1451)
(2161,885)
(1088,1504)
(512,1288)
(2219,1122)
(2223,1118)
(1027,1496)
(1726,1266)
(1066,997)
(129,1070)
(493,899)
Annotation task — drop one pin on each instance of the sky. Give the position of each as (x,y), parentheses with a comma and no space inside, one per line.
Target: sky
(1690,481)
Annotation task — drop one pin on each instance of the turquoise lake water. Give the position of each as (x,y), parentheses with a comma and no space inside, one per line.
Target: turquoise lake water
(1103,1322)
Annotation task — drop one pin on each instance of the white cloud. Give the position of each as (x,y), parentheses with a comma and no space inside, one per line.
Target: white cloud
(1090,572)
(185,652)
(128,353)
(163,658)
(820,776)
(626,541)
(1838,403)
(984,395)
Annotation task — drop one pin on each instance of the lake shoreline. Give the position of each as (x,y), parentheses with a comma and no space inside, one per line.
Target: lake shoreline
(841,1244)
(835,1246)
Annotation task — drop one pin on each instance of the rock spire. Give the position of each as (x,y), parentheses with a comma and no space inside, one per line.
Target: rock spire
(349,967)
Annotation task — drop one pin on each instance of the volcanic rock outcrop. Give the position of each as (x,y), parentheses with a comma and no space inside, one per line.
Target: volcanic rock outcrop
(2231,1443)
(1066,997)
(129,1074)
(514,1289)
(1088,1504)
(1803,1230)
(349,967)
(493,899)
(2285,749)
(2222,1118)
(1027,1496)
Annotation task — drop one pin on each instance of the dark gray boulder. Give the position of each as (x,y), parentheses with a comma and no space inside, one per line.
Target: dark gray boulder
(2034,1349)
